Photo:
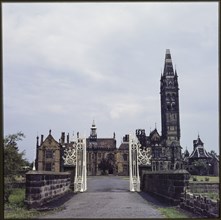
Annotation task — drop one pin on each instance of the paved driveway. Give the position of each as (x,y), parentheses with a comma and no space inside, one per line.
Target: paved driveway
(107,197)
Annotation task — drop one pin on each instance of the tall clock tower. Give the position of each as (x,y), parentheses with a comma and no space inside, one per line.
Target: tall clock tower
(170,114)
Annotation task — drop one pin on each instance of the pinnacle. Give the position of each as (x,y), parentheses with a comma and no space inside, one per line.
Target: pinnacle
(168,66)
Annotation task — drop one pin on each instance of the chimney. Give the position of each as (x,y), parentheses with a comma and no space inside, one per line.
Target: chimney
(37,144)
(62,137)
(68,138)
(42,137)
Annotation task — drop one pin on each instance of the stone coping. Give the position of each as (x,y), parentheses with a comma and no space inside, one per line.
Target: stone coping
(168,172)
(203,183)
(47,172)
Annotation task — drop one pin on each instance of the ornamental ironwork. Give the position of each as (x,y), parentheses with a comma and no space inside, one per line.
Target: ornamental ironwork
(144,156)
(70,155)
(137,157)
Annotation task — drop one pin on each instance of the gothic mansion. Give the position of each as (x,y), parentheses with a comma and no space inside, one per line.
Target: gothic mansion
(165,148)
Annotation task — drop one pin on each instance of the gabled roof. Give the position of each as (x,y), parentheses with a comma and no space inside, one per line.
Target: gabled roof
(154,135)
(197,142)
(102,143)
(186,153)
(199,152)
(124,146)
(50,141)
(215,157)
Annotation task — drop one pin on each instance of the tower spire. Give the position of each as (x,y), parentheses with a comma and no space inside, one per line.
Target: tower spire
(168,65)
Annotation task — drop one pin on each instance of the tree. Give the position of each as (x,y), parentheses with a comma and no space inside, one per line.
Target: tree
(13,161)
(213,153)
(201,167)
(104,165)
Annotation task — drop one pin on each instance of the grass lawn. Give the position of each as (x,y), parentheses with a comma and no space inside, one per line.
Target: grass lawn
(16,209)
(174,212)
(212,179)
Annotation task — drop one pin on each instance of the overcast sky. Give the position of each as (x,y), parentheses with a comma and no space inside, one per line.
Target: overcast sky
(65,64)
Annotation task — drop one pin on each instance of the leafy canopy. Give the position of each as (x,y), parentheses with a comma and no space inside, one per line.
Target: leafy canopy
(13,160)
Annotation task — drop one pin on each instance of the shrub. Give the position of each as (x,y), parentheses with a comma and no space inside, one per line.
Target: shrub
(206,178)
(195,179)
(17,197)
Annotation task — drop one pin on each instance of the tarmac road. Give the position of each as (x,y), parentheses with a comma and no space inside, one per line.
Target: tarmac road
(108,197)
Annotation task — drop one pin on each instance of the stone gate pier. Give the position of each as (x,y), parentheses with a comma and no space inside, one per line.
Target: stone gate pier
(45,186)
(167,185)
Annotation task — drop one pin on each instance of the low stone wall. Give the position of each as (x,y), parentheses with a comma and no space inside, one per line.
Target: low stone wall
(197,187)
(167,185)
(201,205)
(44,186)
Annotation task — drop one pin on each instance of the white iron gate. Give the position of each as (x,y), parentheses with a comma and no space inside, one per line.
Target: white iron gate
(80,182)
(137,156)
(75,155)
(134,169)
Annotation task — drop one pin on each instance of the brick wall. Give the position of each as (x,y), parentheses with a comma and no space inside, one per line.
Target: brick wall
(201,205)
(44,186)
(167,185)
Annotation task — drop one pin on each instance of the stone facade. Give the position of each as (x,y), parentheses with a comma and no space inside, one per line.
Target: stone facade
(122,157)
(48,155)
(99,149)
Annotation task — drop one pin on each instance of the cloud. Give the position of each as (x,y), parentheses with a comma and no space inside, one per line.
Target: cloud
(65,64)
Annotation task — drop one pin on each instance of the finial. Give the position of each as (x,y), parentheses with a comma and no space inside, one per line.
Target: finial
(33,166)
(155,125)
(50,131)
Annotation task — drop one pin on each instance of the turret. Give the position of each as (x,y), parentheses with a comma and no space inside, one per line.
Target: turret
(93,134)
